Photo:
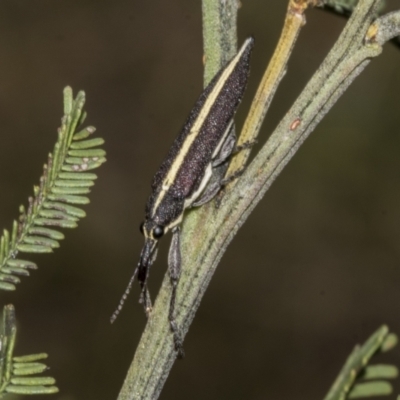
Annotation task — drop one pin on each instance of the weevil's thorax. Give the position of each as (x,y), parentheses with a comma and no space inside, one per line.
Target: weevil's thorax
(167,214)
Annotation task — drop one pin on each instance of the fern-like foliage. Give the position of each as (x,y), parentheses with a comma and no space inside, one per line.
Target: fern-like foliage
(64,183)
(16,372)
(357,379)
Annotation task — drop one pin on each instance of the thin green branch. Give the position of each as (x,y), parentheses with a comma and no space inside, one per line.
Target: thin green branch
(346,7)
(273,75)
(207,231)
(386,28)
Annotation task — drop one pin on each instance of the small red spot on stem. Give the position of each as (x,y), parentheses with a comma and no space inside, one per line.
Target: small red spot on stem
(294,125)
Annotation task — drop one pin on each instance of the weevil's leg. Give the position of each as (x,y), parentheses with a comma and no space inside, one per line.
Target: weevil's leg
(245,145)
(231,177)
(143,276)
(229,149)
(174,267)
(144,298)
(209,193)
(236,174)
(226,150)
(214,187)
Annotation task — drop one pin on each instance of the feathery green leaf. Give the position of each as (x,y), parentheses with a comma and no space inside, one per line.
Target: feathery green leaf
(15,371)
(351,381)
(62,184)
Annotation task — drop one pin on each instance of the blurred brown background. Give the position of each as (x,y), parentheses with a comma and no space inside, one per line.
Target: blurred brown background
(315,269)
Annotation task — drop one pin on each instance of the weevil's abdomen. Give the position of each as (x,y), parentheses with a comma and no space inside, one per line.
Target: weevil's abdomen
(186,168)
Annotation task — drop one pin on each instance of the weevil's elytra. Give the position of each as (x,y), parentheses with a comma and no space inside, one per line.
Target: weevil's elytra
(181,181)
(184,167)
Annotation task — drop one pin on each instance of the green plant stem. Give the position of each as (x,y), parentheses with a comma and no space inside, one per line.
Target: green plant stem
(207,231)
(220,44)
(219,34)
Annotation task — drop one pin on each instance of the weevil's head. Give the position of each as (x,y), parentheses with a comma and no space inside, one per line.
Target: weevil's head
(152,232)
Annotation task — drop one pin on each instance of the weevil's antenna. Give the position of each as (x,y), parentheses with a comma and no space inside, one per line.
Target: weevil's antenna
(124,297)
